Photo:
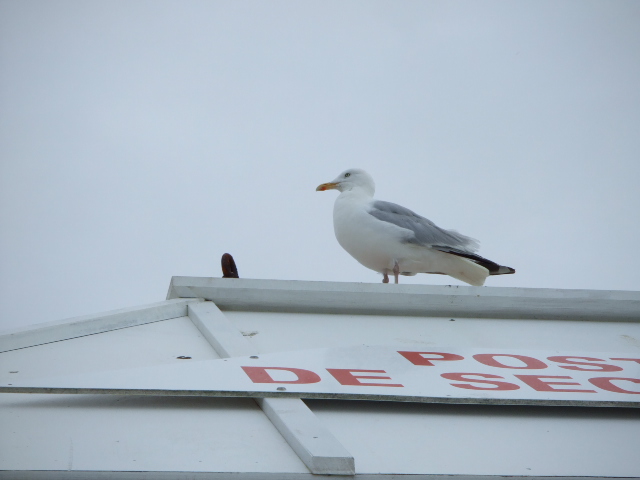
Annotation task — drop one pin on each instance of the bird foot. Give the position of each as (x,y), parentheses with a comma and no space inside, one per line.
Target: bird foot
(385,279)
(396,271)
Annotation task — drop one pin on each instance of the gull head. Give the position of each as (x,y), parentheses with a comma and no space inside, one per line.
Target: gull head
(352,179)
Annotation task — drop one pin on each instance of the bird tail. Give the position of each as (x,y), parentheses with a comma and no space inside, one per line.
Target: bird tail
(493,267)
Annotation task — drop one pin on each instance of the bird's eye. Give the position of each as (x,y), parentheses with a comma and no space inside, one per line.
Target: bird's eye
(347,175)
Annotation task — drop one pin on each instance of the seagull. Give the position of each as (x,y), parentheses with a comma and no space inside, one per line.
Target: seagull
(389,238)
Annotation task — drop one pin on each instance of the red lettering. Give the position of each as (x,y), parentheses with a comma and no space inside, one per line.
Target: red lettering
(345,377)
(637,360)
(537,383)
(260,375)
(605,383)
(599,367)
(529,362)
(462,377)
(417,358)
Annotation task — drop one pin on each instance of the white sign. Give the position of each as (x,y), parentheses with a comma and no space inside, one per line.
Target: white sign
(398,373)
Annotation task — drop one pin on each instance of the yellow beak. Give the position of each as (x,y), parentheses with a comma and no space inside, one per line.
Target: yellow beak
(326,186)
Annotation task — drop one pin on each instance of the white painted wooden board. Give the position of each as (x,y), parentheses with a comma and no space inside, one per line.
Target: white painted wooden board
(523,442)
(316,446)
(92,324)
(312,442)
(280,332)
(132,433)
(151,345)
(415,300)
(140,434)
(404,372)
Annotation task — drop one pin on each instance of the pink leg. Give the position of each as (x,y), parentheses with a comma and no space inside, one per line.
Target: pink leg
(396,271)
(385,279)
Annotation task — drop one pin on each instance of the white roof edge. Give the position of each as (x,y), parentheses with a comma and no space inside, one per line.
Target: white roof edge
(92,324)
(165,475)
(416,300)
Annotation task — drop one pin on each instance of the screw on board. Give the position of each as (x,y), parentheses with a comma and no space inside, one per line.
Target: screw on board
(229,269)
(182,357)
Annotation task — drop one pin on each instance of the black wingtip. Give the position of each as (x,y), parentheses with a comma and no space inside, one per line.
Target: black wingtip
(229,269)
(493,267)
(505,270)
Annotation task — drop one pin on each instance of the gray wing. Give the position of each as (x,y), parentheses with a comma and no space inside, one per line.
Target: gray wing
(423,231)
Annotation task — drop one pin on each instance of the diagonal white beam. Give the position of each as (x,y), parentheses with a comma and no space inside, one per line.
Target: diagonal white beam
(225,339)
(316,446)
(91,324)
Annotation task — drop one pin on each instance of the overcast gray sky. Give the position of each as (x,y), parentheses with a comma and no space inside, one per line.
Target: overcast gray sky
(143,139)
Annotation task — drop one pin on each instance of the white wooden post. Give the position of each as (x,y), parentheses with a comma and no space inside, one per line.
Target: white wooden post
(316,446)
